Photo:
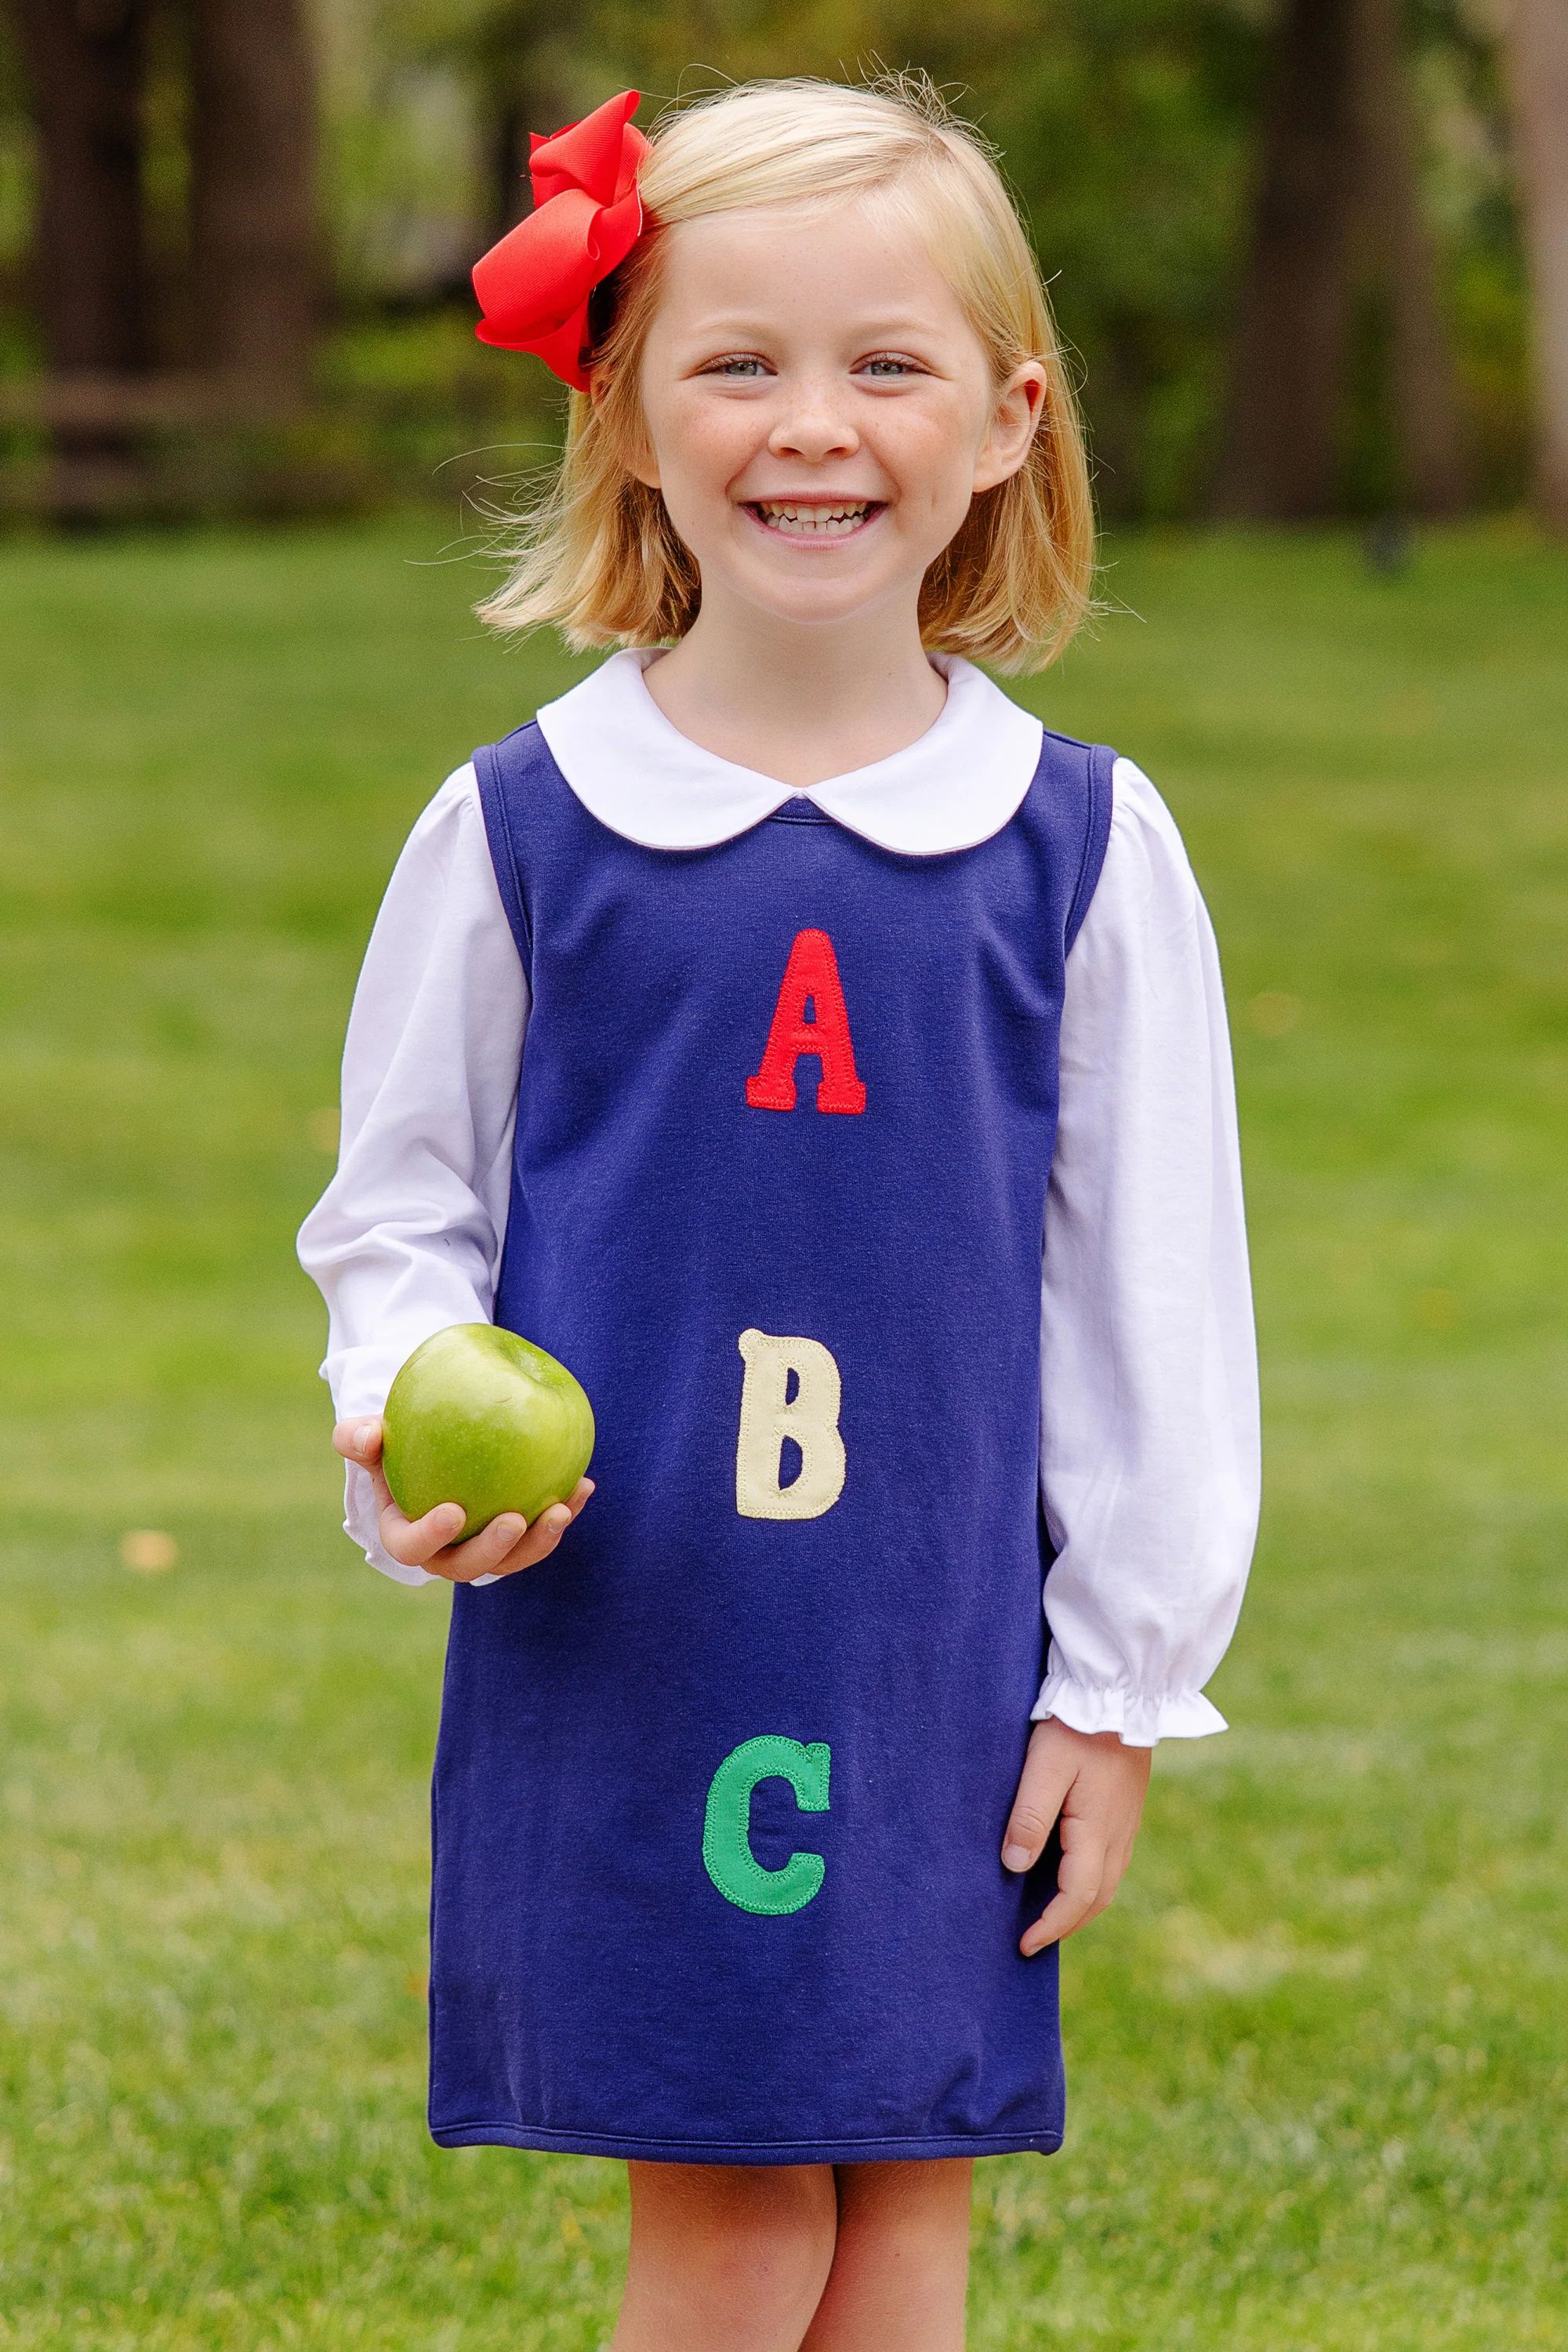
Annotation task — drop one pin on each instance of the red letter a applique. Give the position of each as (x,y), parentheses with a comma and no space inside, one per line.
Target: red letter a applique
(811,972)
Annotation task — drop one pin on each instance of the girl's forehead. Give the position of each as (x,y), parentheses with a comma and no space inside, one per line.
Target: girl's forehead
(844,255)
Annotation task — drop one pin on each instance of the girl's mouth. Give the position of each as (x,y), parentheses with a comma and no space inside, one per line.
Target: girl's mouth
(814,518)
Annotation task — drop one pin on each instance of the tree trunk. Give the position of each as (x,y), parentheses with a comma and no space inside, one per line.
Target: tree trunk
(86,61)
(253,147)
(1281,444)
(507,150)
(1397,255)
(1535,52)
(1339,216)
(522,89)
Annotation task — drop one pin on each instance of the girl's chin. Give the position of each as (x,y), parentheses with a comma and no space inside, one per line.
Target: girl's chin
(796,595)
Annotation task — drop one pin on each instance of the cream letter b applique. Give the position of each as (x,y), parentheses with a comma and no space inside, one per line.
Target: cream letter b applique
(810,1417)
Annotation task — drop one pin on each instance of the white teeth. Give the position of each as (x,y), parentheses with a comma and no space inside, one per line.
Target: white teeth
(831,522)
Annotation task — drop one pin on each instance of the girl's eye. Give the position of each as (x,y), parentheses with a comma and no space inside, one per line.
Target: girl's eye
(889,364)
(742,366)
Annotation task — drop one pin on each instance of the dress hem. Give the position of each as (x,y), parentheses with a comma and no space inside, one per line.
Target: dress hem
(720,2151)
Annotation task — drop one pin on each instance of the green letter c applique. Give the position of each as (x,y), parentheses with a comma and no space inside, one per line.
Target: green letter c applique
(727,1854)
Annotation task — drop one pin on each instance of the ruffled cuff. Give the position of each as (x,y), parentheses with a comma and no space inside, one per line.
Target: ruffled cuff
(1142,1717)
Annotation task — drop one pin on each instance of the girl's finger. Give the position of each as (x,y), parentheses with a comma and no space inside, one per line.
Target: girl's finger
(508,1543)
(417,1542)
(359,1441)
(544,1535)
(1078,1891)
(1111,1879)
(1043,1785)
(542,1538)
(486,1554)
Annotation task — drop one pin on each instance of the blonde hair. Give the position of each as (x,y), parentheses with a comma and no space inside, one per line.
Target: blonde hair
(597,554)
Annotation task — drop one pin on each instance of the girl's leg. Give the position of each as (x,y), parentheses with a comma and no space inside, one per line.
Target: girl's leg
(901,2265)
(725,2257)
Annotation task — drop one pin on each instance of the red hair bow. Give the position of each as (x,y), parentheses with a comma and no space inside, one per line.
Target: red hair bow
(533,286)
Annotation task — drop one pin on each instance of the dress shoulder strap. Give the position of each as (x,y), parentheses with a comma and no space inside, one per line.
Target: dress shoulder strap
(520,791)
(1067,806)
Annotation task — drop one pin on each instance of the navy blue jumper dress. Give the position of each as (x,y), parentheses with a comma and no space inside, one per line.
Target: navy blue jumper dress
(720,1787)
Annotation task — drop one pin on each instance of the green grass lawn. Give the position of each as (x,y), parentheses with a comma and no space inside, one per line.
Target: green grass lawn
(1318,2054)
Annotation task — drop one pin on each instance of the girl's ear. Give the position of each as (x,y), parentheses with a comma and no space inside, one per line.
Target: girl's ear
(1015,420)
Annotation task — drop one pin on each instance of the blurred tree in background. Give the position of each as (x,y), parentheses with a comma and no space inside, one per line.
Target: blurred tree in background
(1288,240)
(1340,238)
(170,263)
(1535,47)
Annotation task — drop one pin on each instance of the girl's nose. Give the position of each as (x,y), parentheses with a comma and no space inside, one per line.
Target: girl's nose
(813,428)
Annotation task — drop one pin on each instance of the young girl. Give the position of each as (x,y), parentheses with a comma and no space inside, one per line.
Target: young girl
(829,1065)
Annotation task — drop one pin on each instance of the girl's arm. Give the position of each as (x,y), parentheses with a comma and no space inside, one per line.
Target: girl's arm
(1148,1435)
(1149,1441)
(408,1236)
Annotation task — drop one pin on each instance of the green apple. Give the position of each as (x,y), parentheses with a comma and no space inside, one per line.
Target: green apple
(481,1417)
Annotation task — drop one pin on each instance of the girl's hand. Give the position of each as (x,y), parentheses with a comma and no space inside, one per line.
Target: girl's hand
(1097,1787)
(508,1543)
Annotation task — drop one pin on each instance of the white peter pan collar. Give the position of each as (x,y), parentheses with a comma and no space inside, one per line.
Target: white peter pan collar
(959,783)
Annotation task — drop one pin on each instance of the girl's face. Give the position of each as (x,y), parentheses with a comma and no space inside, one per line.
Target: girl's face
(819,411)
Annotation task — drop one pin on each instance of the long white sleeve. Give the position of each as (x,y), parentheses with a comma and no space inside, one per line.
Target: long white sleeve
(408,1236)
(1148,1438)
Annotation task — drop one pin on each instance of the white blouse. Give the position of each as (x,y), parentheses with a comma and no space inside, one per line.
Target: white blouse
(1149,1432)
